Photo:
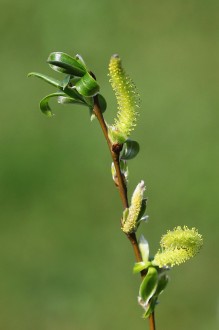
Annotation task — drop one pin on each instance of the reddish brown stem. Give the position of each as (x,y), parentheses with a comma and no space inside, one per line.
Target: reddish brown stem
(152,321)
(115,152)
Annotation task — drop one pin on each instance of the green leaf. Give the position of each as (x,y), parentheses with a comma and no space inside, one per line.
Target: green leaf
(80,60)
(149,284)
(87,86)
(89,101)
(66,81)
(69,100)
(162,283)
(124,214)
(138,267)
(102,103)
(71,91)
(44,103)
(130,150)
(143,208)
(50,80)
(62,62)
(150,308)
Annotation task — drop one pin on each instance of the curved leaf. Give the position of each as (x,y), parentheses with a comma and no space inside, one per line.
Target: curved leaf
(162,283)
(69,100)
(89,101)
(62,62)
(149,284)
(102,103)
(72,92)
(143,208)
(87,86)
(130,150)
(50,80)
(139,266)
(44,103)
(80,60)
(66,81)
(150,307)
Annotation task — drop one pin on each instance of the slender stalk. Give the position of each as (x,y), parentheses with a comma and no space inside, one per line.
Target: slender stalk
(115,152)
(152,321)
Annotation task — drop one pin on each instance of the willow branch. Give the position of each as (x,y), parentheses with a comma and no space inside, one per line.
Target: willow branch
(115,152)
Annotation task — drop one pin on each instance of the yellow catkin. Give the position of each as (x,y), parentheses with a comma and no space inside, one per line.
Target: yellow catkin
(178,246)
(127,98)
(136,202)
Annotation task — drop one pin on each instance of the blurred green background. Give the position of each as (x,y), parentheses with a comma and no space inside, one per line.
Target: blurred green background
(65,264)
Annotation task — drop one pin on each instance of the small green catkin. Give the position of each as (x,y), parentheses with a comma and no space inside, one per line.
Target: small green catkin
(127,100)
(178,246)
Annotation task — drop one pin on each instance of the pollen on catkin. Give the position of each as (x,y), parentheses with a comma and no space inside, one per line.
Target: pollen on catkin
(127,100)
(130,223)
(178,246)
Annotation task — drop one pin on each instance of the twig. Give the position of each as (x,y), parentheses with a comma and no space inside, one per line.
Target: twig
(115,152)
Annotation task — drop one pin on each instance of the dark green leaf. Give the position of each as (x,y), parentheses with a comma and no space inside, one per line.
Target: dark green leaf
(87,85)
(72,92)
(64,63)
(51,81)
(162,283)
(142,209)
(90,102)
(69,100)
(150,308)
(130,150)
(102,103)
(44,103)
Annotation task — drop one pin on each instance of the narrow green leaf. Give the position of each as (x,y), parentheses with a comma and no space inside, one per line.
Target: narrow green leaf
(102,103)
(87,85)
(66,81)
(124,214)
(89,101)
(62,62)
(69,100)
(44,103)
(50,80)
(143,208)
(72,92)
(162,283)
(149,284)
(138,267)
(150,308)
(80,60)
(130,150)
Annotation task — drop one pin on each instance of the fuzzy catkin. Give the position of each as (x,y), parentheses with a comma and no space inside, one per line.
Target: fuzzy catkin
(127,98)
(136,202)
(178,246)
